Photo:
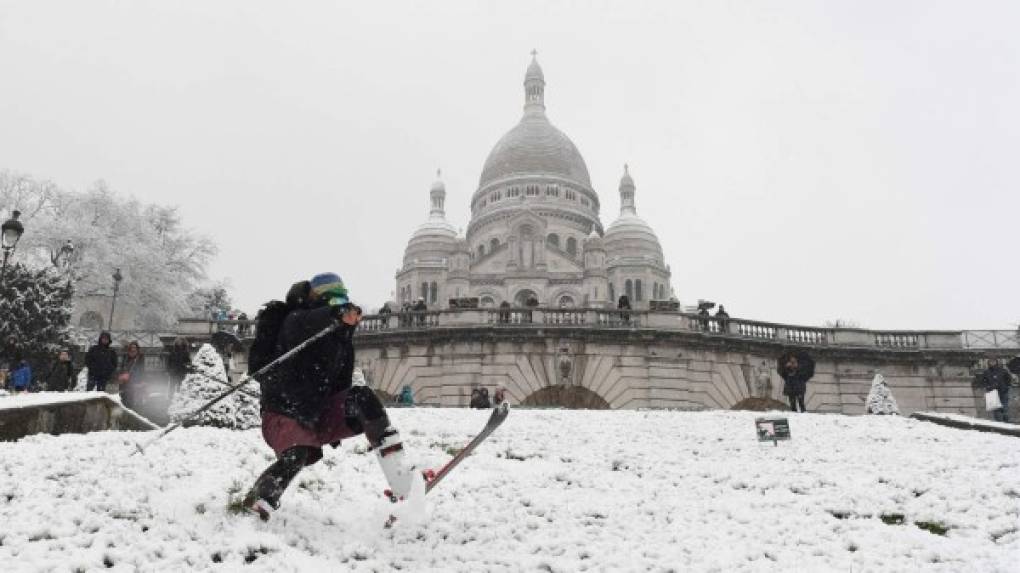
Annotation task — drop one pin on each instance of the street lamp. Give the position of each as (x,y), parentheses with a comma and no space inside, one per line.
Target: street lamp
(117,277)
(11,232)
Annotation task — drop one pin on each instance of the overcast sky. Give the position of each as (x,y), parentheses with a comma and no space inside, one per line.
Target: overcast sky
(799,161)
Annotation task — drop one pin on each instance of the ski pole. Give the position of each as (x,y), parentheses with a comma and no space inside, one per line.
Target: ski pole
(238,386)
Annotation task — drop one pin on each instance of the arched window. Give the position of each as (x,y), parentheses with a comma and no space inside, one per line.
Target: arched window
(629,289)
(91,320)
(566,301)
(424,293)
(433,292)
(481,251)
(553,240)
(638,292)
(612,293)
(493,245)
(486,302)
(572,246)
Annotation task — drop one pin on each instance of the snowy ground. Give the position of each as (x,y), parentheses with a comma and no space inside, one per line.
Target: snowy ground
(551,490)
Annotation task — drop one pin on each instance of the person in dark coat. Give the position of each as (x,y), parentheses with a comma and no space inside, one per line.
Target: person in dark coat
(623,303)
(723,318)
(61,375)
(504,312)
(420,307)
(101,360)
(131,376)
(178,364)
(10,357)
(312,401)
(997,378)
(480,398)
(795,368)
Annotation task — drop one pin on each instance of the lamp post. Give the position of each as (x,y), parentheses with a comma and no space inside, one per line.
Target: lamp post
(11,233)
(117,277)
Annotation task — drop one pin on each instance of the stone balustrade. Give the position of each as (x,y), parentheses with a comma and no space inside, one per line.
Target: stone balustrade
(600,318)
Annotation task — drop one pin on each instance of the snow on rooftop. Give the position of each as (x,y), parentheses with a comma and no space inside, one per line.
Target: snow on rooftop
(551,490)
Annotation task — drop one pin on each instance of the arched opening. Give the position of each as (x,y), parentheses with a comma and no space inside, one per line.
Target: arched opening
(553,240)
(612,293)
(486,302)
(638,291)
(91,320)
(433,292)
(481,251)
(572,246)
(576,397)
(629,289)
(566,301)
(522,297)
(493,245)
(424,292)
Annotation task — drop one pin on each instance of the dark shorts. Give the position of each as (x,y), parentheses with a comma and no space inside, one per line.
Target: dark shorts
(283,432)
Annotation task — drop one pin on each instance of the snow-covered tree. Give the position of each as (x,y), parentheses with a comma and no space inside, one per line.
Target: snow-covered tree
(880,398)
(205,301)
(161,261)
(35,307)
(239,411)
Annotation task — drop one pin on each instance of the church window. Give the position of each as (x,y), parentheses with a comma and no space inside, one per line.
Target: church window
(572,246)
(612,292)
(532,190)
(570,195)
(486,302)
(553,240)
(481,251)
(424,291)
(493,245)
(433,292)
(566,301)
(552,191)
(585,202)
(484,202)
(629,289)
(638,294)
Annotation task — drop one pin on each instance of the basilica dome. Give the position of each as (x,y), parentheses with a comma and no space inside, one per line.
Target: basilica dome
(535,147)
(630,238)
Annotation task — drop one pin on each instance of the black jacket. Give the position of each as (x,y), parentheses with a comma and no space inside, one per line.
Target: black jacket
(795,383)
(996,378)
(178,363)
(300,386)
(101,362)
(60,378)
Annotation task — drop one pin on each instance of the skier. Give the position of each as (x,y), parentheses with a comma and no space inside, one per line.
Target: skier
(309,401)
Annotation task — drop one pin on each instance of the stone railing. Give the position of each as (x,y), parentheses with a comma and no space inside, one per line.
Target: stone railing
(600,318)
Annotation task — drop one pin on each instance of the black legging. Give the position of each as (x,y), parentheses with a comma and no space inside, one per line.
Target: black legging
(272,483)
(794,400)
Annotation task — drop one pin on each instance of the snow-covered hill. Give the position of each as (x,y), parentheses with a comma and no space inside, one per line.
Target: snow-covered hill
(551,490)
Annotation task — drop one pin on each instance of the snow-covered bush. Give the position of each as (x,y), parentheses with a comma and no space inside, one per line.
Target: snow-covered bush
(880,398)
(35,308)
(239,411)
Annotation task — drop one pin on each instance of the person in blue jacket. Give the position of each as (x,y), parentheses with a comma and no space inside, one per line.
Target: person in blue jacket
(21,376)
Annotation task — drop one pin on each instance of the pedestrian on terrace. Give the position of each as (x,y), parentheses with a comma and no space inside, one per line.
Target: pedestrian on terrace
(997,378)
(101,360)
(795,368)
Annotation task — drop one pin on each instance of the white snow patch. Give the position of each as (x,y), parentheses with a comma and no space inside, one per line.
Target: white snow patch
(550,490)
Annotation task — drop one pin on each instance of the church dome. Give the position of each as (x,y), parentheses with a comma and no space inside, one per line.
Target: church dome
(629,237)
(535,147)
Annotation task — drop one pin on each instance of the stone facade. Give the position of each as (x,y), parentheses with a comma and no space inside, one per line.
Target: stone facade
(632,369)
(535,230)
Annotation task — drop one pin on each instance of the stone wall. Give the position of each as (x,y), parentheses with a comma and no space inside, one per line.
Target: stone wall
(89,414)
(647,368)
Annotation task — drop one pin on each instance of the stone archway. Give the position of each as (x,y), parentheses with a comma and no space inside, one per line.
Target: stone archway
(562,396)
(522,296)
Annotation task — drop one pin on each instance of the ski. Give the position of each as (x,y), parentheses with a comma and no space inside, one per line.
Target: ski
(499,414)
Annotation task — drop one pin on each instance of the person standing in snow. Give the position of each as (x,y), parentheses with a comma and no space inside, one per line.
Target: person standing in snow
(131,375)
(310,400)
(997,378)
(101,360)
(178,364)
(20,375)
(61,375)
(795,368)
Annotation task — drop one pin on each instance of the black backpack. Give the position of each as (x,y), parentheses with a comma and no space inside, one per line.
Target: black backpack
(268,323)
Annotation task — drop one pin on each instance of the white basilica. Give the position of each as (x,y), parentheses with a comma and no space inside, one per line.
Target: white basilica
(535,230)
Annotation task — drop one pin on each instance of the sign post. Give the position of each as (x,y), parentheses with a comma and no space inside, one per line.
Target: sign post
(772,429)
